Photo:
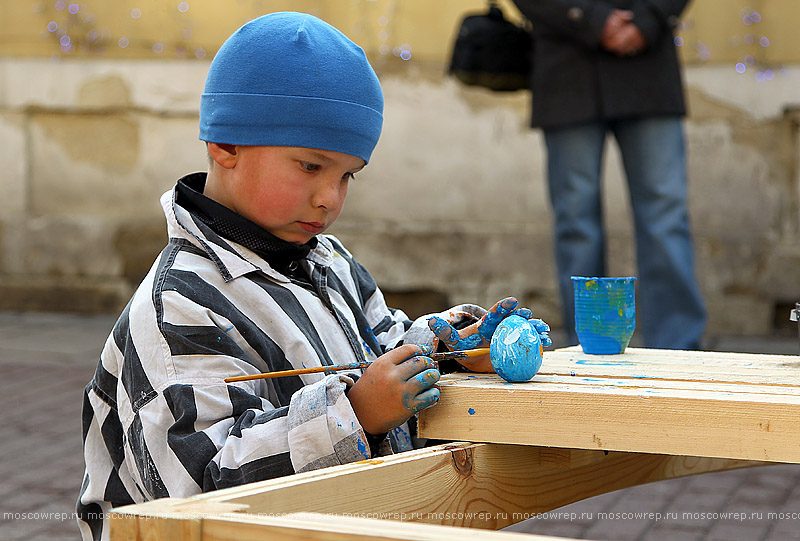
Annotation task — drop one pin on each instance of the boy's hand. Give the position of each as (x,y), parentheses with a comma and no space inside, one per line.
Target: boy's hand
(394,387)
(479,334)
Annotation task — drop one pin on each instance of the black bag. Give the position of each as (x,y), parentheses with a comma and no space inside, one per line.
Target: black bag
(492,52)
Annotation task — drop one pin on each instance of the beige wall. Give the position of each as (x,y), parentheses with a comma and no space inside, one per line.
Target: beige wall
(186,29)
(453,205)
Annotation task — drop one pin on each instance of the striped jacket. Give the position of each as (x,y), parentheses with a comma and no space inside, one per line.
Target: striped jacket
(158,419)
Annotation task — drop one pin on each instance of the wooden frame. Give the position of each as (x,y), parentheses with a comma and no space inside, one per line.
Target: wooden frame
(586,425)
(422,494)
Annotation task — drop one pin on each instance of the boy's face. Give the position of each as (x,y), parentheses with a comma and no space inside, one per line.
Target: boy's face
(294,193)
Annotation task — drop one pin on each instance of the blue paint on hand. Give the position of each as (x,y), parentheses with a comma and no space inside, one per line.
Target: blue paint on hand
(449,335)
(543,329)
(495,316)
(443,330)
(427,378)
(525,313)
(487,327)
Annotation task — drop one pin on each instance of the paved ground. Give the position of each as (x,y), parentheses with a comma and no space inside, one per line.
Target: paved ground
(46,359)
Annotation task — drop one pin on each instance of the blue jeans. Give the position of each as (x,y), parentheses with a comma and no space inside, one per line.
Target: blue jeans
(670,310)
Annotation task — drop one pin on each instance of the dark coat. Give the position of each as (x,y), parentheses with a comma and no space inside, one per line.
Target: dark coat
(576,81)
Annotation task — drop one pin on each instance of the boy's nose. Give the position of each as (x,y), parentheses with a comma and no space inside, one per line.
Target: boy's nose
(329,194)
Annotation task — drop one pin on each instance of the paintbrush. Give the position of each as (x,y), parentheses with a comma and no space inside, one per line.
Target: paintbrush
(463,354)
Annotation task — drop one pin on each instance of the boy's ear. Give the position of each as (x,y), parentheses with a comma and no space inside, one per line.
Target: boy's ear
(223,153)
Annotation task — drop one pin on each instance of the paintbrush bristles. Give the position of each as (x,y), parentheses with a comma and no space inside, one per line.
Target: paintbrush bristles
(462,354)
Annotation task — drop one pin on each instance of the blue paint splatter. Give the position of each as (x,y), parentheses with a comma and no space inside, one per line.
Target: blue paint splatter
(471,411)
(362,448)
(589,362)
(402,439)
(366,348)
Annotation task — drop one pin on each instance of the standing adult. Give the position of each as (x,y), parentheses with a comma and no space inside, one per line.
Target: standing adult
(610,66)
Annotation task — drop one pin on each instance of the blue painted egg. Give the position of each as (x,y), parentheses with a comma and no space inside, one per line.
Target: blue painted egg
(516,350)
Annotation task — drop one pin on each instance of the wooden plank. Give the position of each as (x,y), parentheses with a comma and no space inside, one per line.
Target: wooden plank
(745,426)
(601,382)
(316,527)
(141,525)
(475,485)
(676,356)
(630,386)
(701,366)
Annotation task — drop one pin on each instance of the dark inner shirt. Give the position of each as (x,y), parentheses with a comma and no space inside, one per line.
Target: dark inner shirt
(280,254)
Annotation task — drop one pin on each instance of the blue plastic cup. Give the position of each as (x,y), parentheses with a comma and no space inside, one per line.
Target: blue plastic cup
(605,313)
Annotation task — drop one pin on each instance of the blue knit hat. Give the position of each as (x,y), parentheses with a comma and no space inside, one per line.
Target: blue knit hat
(291,79)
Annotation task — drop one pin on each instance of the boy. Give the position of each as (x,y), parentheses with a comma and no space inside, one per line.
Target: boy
(291,112)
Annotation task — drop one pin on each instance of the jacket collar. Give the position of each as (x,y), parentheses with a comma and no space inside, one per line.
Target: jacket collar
(231,258)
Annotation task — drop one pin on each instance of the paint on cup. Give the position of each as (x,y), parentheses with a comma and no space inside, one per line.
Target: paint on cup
(605,313)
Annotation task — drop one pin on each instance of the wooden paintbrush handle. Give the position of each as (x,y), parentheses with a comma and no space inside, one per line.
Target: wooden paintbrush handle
(353,366)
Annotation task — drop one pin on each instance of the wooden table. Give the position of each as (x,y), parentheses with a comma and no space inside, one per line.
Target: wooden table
(585,425)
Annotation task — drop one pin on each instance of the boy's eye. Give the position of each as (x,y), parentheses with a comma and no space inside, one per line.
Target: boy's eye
(348,176)
(310,167)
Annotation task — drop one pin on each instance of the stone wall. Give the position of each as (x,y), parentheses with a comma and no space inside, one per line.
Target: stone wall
(452,207)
